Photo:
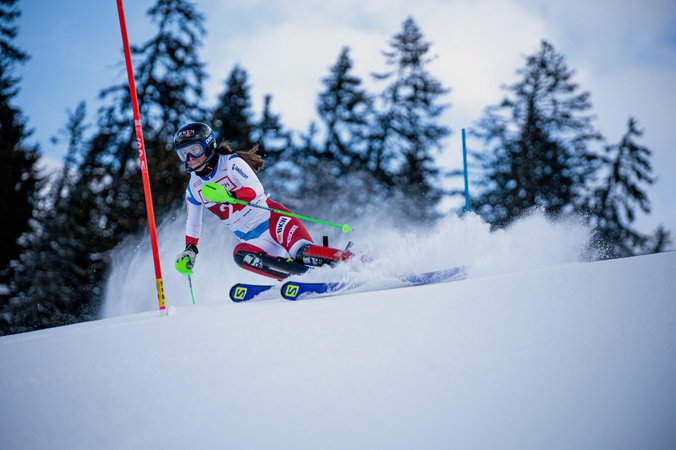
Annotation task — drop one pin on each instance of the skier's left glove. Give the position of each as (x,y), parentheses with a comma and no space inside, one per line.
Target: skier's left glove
(185,260)
(216,193)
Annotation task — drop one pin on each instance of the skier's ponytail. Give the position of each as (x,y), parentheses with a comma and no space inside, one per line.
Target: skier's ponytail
(252,158)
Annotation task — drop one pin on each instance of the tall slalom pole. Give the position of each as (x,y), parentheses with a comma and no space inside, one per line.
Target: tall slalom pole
(468,206)
(142,158)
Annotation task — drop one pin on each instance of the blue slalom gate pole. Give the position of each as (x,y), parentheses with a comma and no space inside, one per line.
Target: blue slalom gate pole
(468,206)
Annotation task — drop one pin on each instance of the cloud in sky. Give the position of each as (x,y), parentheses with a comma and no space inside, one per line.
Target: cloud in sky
(289,56)
(623,51)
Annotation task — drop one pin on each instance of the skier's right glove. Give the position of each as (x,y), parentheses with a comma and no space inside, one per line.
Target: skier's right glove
(217,193)
(185,260)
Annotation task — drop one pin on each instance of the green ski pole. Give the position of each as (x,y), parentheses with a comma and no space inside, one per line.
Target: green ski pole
(191,293)
(218,194)
(345,227)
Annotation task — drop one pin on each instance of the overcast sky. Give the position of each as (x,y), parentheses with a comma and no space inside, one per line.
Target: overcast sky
(623,52)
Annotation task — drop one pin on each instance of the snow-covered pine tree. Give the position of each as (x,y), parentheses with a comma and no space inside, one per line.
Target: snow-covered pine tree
(408,133)
(233,121)
(346,112)
(621,193)
(232,116)
(280,175)
(536,143)
(340,162)
(270,135)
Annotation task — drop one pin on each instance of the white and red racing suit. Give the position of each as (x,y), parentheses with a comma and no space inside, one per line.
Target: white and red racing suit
(257,229)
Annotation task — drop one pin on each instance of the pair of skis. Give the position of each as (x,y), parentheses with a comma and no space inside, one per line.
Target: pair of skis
(295,290)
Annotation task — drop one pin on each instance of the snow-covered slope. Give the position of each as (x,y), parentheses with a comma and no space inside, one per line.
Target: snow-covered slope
(580,356)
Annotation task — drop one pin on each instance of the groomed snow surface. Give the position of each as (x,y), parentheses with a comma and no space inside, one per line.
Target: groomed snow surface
(545,353)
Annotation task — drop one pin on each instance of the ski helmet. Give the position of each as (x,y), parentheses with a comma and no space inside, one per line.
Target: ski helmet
(194,140)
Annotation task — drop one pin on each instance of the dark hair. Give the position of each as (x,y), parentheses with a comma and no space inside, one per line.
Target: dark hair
(251,156)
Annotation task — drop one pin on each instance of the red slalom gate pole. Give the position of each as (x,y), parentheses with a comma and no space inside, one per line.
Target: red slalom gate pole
(142,158)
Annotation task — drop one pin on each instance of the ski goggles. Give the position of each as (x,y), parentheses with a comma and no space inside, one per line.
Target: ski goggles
(193,150)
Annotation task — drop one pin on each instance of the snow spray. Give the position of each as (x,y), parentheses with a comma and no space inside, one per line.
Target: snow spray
(531,243)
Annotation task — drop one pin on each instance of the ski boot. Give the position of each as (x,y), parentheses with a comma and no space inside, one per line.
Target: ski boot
(317,256)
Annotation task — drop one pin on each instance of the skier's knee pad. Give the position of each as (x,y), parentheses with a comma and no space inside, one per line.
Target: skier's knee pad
(254,259)
(245,256)
(241,249)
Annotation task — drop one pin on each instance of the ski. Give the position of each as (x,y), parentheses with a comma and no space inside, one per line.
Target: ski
(241,292)
(294,290)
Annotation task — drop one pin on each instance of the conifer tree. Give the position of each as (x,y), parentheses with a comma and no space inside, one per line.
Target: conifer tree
(338,166)
(621,193)
(346,111)
(660,241)
(232,117)
(281,174)
(18,174)
(233,121)
(408,131)
(105,203)
(302,171)
(169,77)
(537,143)
(270,135)
(58,242)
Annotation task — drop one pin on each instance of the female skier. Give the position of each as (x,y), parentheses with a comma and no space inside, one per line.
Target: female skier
(271,244)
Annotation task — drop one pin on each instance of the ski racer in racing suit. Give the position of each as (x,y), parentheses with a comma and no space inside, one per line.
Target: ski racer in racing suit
(271,244)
